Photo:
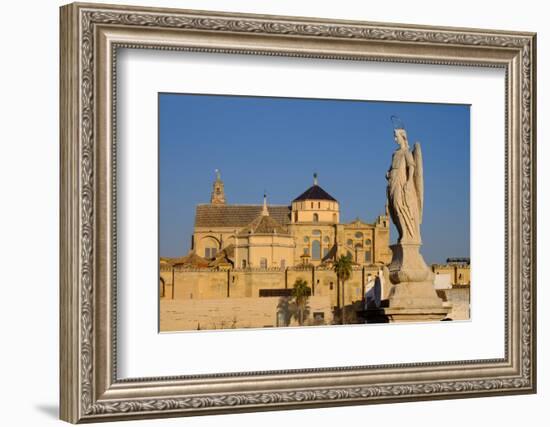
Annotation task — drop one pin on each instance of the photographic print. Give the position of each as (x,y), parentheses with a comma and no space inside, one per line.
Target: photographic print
(278,197)
(285,212)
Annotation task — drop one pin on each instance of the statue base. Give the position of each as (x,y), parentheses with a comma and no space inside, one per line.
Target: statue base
(412,297)
(400,315)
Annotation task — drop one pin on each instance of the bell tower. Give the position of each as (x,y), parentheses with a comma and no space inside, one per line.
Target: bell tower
(218,194)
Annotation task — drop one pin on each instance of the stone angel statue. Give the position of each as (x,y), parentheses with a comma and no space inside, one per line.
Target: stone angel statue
(405,189)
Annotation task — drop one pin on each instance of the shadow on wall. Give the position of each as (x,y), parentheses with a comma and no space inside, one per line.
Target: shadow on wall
(351,313)
(288,312)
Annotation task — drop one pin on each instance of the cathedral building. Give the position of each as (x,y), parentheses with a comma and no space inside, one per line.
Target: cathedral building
(306,232)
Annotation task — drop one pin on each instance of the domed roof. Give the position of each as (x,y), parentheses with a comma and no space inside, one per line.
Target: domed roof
(314,193)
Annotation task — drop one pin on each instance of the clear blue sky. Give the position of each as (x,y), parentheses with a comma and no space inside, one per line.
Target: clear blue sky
(276,144)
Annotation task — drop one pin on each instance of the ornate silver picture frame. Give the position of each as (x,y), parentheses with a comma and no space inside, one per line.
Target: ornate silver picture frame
(91,390)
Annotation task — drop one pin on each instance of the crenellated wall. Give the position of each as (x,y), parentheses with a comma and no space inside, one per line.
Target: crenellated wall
(247,283)
(460,273)
(213,297)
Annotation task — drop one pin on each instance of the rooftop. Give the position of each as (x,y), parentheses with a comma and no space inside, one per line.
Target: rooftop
(264,224)
(314,193)
(237,216)
(191,259)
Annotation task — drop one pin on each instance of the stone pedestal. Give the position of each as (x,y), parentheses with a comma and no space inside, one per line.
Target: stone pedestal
(412,297)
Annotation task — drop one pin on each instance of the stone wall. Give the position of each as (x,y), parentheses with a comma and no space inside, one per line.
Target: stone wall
(460,274)
(200,284)
(196,293)
(236,313)
(246,283)
(219,299)
(306,234)
(276,249)
(459,298)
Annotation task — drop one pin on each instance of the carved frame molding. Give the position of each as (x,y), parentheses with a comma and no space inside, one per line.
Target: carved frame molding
(90,37)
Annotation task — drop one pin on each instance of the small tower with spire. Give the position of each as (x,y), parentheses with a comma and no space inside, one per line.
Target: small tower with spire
(265,212)
(218,194)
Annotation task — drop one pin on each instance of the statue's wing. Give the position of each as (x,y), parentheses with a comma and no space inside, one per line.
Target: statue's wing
(419,178)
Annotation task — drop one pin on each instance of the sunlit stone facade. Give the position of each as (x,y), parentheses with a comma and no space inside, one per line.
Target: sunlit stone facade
(308,231)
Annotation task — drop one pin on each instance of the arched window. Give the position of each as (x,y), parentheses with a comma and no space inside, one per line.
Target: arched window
(263,262)
(306,239)
(316,249)
(211,246)
(349,242)
(326,239)
(316,233)
(243,263)
(368,257)
(315,217)
(367,242)
(357,252)
(295,216)
(210,252)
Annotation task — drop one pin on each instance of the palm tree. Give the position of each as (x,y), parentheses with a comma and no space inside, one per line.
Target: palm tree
(342,267)
(301,293)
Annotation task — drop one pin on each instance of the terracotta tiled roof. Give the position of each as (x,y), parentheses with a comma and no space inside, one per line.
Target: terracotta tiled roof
(191,259)
(263,224)
(237,216)
(314,193)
